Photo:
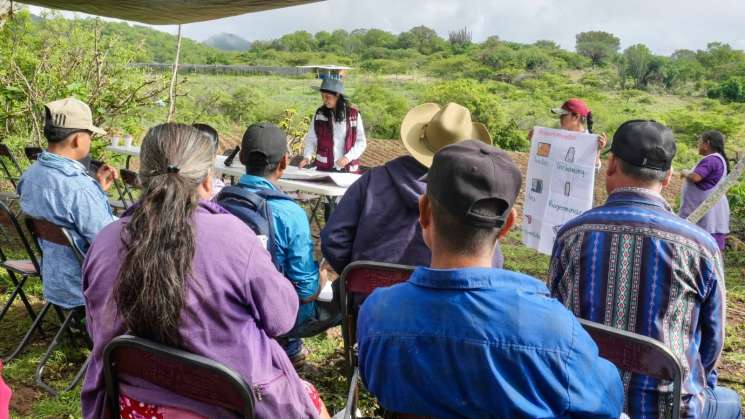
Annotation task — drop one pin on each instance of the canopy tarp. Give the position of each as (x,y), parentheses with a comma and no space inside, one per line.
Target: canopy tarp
(167,12)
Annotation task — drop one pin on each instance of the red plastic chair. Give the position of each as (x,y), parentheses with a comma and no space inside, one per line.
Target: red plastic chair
(358,280)
(638,354)
(186,374)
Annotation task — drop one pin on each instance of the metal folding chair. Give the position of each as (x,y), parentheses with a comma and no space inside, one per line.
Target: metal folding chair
(25,268)
(131,182)
(358,280)
(32,153)
(638,354)
(186,374)
(11,172)
(44,230)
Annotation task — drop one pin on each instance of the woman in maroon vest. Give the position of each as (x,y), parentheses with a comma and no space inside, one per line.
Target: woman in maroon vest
(337,136)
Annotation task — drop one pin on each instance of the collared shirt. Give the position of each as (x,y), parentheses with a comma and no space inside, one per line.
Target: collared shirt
(59,190)
(340,135)
(634,265)
(294,244)
(481,343)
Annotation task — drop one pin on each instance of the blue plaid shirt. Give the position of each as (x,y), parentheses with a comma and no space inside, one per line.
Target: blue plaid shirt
(634,265)
(481,343)
(60,191)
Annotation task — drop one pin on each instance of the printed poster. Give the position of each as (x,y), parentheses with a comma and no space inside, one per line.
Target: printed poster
(560,183)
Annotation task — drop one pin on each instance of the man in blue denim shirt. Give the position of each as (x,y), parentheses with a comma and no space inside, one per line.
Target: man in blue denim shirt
(461,339)
(57,188)
(264,153)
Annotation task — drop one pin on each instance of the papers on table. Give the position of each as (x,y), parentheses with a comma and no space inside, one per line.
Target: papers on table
(344,180)
(560,183)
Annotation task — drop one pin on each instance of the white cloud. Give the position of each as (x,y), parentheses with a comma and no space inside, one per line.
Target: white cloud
(663,25)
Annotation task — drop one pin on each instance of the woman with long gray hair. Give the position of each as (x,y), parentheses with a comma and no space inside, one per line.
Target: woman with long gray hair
(181,271)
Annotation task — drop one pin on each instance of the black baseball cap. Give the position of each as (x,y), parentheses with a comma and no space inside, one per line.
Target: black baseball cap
(468,173)
(263,144)
(645,143)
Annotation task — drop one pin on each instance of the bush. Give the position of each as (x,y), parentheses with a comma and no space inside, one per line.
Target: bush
(382,110)
(485,107)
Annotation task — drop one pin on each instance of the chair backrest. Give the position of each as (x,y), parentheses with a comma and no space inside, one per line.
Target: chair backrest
(11,169)
(12,227)
(359,280)
(186,374)
(638,354)
(44,230)
(32,153)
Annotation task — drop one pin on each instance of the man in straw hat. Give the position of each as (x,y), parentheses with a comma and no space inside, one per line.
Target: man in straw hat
(58,188)
(460,339)
(377,217)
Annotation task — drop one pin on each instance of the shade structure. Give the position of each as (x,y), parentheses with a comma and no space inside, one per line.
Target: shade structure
(167,12)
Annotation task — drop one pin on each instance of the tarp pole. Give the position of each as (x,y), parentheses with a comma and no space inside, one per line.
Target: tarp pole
(718,193)
(174,75)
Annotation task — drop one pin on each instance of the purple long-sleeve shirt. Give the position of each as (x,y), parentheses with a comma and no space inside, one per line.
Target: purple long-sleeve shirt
(235,303)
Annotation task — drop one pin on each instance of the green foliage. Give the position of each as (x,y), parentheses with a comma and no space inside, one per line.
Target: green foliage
(485,108)
(640,65)
(598,46)
(52,58)
(382,109)
(422,39)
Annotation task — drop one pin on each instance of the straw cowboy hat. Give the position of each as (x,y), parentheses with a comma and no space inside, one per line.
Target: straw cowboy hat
(427,128)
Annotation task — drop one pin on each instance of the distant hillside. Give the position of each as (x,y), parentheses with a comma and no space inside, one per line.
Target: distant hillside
(228,42)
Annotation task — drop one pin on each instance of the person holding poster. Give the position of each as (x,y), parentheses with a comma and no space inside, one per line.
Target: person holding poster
(702,181)
(576,116)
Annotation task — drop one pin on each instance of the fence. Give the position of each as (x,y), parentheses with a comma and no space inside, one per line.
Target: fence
(227,69)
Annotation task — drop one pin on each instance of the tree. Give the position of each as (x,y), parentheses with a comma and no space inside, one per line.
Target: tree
(422,39)
(461,37)
(598,46)
(641,65)
(379,38)
(300,41)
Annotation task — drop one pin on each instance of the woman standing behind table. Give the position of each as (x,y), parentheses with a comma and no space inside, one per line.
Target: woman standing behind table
(210,293)
(337,135)
(702,181)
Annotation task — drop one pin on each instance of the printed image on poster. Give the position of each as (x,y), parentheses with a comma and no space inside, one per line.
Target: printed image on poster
(560,183)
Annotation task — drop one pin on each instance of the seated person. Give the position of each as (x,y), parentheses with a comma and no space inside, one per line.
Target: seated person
(462,339)
(217,183)
(57,188)
(211,289)
(264,153)
(377,217)
(634,265)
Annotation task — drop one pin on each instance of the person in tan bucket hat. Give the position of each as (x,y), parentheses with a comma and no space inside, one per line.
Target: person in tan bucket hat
(59,189)
(377,219)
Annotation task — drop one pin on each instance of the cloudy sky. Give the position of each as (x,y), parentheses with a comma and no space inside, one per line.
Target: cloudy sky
(663,25)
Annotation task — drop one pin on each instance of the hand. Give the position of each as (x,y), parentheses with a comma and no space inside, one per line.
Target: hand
(602,141)
(106,175)
(303,163)
(342,162)
(685,173)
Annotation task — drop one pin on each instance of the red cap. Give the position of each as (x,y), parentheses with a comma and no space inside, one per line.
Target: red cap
(573,106)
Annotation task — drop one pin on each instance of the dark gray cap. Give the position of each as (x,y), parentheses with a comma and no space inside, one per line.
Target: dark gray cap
(263,144)
(470,173)
(645,143)
(333,86)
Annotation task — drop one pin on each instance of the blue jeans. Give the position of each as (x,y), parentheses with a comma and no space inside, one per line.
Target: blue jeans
(721,403)
(293,347)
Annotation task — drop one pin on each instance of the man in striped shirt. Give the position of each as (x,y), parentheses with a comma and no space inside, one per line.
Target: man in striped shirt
(634,265)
